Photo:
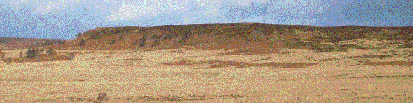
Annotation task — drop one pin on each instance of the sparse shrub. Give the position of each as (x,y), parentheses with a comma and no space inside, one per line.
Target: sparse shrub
(51,52)
(41,50)
(142,41)
(78,35)
(32,52)
(1,54)
(48,42)
(62,42)
(406,44)
(102,97)
(8,60)
(112,41)
(82,42)
(134,43)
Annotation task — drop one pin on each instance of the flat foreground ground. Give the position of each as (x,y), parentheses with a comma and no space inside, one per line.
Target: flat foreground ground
(295,75)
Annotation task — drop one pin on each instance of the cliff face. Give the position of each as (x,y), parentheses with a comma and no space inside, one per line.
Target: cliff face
(203,36)
(243,36)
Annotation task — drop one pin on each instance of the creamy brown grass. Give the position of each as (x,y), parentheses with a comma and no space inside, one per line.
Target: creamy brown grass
(159,76)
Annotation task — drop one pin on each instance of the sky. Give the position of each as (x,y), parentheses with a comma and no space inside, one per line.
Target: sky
(63,19)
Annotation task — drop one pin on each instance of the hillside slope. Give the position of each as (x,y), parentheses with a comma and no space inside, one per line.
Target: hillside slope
(10,43)
(247,37)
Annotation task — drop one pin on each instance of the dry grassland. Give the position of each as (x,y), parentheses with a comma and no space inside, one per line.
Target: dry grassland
(294,75)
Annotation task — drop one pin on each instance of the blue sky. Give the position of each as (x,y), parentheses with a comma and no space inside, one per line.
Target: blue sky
(63,19)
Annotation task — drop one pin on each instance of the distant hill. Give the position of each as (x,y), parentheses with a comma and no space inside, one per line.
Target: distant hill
(252,37)
(9,43)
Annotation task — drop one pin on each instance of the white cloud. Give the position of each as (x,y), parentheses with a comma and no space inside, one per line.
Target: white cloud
(49,7)
(300,7)
(209,11)
(44,7)
(127,12)
(137,9)
(247,2)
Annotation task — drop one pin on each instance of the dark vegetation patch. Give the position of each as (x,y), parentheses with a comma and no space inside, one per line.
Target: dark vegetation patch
(360,57)
(371,56)
(53,92)
(181,98)
(133,59)
(264,59)
(33,54)
(220,63)
(22,80)
(47,58)
(388,97)
(404,63)
(43,57)
(376,76)
(79,99)
(177,51)
(91,58)
(386,76)
(45,100)
(286,52)
(329,59)
(164,98)
(152,98)
(406,44)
